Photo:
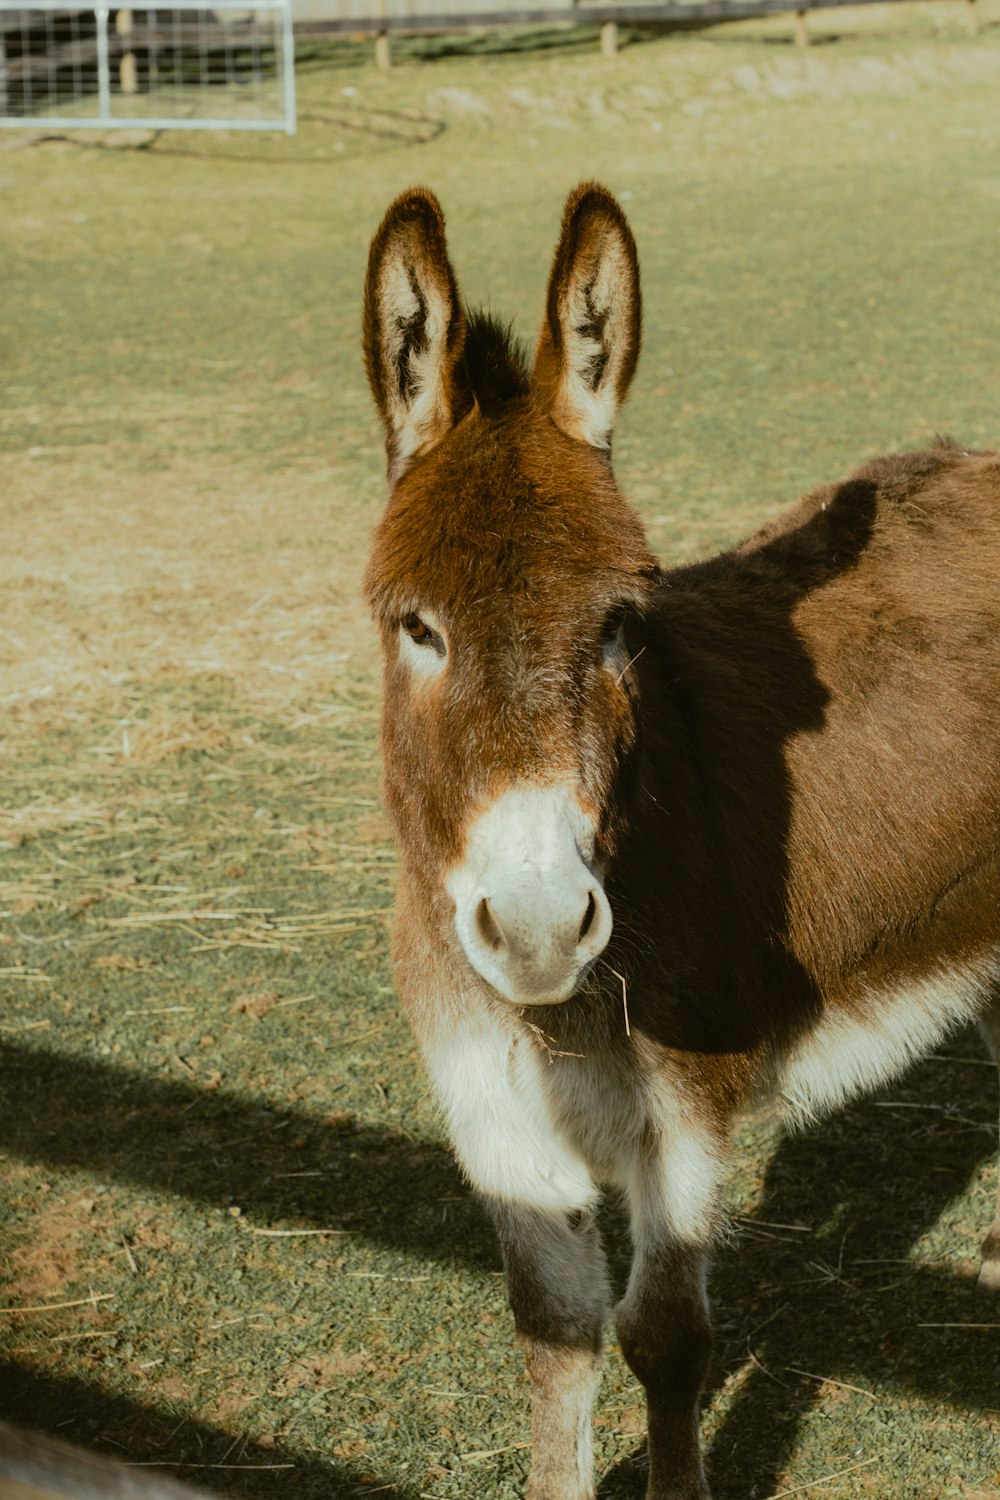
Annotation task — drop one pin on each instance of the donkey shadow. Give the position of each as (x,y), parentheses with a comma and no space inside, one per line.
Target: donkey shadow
(868,1185)
(833,1299)
(836,1297)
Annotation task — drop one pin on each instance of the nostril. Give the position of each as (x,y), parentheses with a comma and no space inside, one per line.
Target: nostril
(588,916)
(488,927)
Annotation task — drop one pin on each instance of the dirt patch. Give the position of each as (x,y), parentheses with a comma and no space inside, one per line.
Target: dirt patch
(50,1262)
(322,1369)
(256,1003)
(125,598)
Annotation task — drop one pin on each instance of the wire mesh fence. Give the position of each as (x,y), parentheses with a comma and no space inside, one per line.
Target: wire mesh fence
(182,68)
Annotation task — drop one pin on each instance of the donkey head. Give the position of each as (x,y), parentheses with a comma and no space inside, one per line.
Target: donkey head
(507,576)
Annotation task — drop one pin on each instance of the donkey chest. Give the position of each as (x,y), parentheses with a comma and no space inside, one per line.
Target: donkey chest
(541,1129)
(606,1112)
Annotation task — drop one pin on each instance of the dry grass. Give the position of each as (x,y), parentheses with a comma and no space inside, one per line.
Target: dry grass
(208,571)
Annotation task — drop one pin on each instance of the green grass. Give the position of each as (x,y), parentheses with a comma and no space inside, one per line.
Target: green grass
(199,1032)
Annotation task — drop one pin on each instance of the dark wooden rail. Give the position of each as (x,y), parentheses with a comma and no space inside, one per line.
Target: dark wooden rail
(655,13)
(662,13)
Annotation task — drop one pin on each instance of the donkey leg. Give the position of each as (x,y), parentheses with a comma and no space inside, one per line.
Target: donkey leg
(558,1289)
(989,1273)
(666,1338)
(663,1319)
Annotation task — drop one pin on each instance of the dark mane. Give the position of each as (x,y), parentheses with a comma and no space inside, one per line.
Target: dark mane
(495,362)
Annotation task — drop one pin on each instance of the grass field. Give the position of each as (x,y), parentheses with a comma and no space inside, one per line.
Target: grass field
(221,1170)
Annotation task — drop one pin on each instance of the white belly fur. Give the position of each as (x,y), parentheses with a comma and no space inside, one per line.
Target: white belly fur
(855,1052)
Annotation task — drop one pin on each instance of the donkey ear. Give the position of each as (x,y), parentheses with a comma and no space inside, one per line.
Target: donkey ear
(413,328)
(589,344)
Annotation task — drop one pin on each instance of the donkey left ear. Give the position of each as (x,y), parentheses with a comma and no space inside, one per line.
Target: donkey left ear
(413,328)
(589,344)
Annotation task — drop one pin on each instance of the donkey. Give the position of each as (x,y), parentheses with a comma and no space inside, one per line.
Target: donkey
(670,840)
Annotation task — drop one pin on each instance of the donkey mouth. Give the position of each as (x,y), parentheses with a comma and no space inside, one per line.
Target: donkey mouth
(524,997)
(568,992)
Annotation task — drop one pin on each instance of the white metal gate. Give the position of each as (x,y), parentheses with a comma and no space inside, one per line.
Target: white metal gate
(195,65)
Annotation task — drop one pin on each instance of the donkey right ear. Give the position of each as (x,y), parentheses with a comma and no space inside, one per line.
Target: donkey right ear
(589,344)
(413,328)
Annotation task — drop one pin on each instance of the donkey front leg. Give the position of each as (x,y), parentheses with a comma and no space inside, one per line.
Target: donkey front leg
(558,1289)
(666,1339)
(663,1320)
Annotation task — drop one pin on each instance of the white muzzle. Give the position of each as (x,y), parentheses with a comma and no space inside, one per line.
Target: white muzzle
(530,908)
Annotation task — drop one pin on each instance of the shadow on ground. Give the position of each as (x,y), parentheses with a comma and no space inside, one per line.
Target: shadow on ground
(818,1284)
(191,1451)
(61,1111)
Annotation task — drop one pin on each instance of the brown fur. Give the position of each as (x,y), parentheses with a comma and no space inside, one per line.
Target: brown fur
(795,775)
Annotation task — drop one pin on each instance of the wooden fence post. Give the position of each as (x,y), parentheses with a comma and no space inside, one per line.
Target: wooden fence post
(126,68)
(801,28)
(383,53)
(972,17)
(609,38)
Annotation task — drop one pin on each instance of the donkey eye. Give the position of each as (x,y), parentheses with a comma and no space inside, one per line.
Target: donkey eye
(428,635)
(613,630)
(616,653)
(613,625)
(418,630)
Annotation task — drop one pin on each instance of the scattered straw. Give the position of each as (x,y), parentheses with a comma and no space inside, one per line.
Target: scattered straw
(551,1051)
(258,927)
(155,1010)
(771,1224)
(169,1463)
(968,1062)
(384,1276)
(478,1454)
(628,664)
(628,1029)
(823,1479)
(57,1306)
(828,1380)
(958,1325)
(284,1234)
(71,1338)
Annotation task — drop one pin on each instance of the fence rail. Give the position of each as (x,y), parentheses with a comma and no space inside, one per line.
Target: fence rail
(666,13)
(657,12)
